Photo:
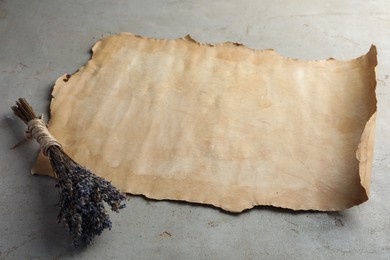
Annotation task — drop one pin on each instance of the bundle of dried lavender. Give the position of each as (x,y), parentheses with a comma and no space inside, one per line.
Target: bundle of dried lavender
(82,193)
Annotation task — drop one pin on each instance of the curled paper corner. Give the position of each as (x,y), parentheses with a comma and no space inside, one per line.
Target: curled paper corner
(365,153)
(254,146)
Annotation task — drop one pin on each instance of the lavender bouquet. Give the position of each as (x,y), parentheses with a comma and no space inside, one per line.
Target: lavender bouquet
(82,193)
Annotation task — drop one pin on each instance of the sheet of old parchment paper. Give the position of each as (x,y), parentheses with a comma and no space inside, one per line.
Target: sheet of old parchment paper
(223,125)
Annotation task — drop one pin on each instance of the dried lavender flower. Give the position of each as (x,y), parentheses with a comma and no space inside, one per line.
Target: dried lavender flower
(82,193)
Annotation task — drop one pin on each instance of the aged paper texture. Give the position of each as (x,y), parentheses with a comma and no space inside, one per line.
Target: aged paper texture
(223,125)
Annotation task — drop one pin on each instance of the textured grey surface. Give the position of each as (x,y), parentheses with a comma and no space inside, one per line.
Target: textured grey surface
(43,39)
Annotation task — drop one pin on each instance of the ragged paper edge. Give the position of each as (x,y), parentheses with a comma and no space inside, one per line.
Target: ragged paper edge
(364,151)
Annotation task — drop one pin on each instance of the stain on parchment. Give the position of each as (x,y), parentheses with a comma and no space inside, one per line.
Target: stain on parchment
(67,77)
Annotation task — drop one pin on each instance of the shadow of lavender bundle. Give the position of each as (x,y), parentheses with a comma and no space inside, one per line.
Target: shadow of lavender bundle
(82,193)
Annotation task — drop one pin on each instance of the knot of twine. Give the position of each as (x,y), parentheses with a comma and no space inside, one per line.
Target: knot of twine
(37,129)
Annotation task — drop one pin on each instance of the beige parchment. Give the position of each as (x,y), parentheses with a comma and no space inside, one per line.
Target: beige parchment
(223,125)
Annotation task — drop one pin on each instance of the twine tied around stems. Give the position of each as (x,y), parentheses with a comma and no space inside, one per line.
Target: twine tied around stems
(37,129)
